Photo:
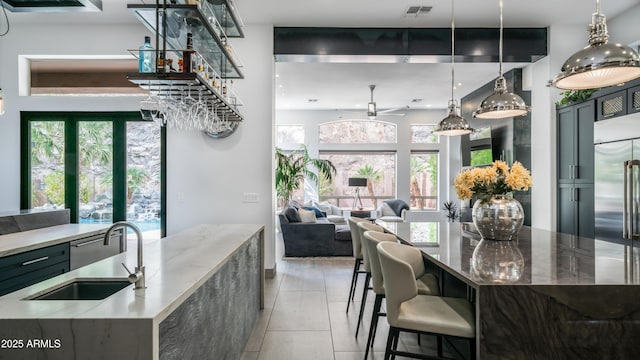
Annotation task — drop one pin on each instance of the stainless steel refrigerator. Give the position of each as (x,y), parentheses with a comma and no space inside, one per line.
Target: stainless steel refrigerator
(617,178)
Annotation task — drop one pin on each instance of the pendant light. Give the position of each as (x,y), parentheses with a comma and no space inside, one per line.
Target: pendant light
(501,104)
(453,124)
(600,64)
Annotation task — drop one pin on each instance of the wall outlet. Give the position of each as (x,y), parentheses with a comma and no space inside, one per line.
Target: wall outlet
(249,197)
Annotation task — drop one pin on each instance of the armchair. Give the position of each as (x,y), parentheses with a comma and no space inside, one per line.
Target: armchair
(392,210)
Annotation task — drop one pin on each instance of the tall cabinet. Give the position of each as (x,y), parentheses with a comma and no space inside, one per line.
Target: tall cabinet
(575,169)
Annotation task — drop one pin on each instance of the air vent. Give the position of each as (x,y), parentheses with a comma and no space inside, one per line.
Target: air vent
(53,5)
(418,10)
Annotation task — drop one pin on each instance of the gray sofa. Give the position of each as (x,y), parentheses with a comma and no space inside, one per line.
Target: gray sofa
(322,238)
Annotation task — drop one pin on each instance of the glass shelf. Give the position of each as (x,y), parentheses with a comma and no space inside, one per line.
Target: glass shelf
(177,85)
(225,12)
(182,19)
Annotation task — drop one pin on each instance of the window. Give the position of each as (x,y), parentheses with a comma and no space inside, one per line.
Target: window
(422,134)
(378,167)
(290,134)
(425,233)
(104,167)
(423,189)
(357,132)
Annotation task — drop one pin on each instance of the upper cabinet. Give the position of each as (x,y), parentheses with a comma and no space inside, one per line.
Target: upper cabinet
(612,105)
(633,99)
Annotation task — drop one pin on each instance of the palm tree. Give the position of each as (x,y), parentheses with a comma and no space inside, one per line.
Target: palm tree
(417,166)
(293,168)
(372,175)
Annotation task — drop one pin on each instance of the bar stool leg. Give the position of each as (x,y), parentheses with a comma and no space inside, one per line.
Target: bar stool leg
(374,324)
(367,279)
(354,282)
(390,338)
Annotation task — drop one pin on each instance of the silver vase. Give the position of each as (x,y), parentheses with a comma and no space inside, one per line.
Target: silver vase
(498,218)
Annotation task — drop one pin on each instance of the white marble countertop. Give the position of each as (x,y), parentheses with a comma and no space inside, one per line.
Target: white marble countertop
(35,239)
(175,267)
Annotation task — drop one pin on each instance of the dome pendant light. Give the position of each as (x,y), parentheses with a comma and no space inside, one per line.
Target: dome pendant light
(600,64)
(453,124)
(501,104)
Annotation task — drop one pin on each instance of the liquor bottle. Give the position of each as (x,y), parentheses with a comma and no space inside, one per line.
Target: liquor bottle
(186,54)
(160,64)
(145,56)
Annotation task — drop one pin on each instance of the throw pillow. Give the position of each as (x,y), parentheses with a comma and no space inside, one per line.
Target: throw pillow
(324,207)
(387,210)
(292,214)
(307,216)
(319,214)
(397,206)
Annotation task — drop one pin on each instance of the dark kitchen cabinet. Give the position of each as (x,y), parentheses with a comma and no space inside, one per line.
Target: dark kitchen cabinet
(575,143)
(576,209)
(575,169)
(612,105)
(27,268)
(633,100)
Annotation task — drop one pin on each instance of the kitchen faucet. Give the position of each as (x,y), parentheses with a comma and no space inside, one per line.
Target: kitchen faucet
(136,277)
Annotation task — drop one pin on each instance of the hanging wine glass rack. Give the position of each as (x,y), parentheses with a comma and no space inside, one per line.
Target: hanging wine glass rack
(211,23)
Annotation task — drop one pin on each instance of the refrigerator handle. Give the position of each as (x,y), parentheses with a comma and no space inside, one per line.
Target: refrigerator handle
(574,172)
(625,206)
(629,213)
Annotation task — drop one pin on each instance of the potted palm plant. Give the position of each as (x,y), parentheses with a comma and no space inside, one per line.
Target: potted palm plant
(293,168)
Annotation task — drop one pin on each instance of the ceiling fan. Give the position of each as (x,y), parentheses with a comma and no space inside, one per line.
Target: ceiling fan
(372,111)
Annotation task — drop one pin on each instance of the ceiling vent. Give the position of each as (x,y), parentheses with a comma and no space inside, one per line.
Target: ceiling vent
(53,5)
(418,10)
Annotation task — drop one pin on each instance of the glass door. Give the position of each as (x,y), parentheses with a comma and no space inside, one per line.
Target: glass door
(95,165)
(103,167)
(46,151)
(144,169)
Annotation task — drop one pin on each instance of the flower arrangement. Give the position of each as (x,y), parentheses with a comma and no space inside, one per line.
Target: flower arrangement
(497,179)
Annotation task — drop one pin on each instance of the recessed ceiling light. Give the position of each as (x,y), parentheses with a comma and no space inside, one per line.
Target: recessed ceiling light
(416,100)
(428,105)
(459,84)
(280,85)
(358,105)
(277,75)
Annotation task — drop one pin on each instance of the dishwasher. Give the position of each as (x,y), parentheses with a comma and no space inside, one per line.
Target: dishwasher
(91,249)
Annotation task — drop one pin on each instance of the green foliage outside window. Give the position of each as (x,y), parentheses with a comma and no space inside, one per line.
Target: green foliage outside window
(481,157)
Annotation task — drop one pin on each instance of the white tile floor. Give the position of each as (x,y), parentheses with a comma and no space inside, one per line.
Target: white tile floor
(304,316)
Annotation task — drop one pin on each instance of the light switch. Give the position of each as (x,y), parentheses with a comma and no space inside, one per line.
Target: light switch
(249,197)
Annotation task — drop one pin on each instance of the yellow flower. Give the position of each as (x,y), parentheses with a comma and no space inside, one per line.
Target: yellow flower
(519,178)
(501,165)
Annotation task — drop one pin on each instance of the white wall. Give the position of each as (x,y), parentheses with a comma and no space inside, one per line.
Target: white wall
(205,177)
(625,28)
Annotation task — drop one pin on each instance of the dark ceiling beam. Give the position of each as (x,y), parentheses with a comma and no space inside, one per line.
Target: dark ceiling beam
(311,44)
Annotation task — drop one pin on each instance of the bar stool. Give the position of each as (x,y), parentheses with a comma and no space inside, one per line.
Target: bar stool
(427,284)
(362,227)
(356,242)
(410,312)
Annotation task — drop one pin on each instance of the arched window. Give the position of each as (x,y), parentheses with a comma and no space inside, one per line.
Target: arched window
(357,132)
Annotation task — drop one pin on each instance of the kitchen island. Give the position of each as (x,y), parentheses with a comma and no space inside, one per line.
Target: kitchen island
(204,291)
(545,295)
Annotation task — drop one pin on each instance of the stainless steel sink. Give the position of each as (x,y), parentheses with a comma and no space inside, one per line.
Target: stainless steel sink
(85,290)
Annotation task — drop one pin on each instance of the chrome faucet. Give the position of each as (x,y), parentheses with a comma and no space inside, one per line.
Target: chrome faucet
(136,277)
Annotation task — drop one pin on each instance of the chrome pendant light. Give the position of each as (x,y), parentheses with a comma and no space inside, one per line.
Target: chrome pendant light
(600,64)
(501,104)
(453,124)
